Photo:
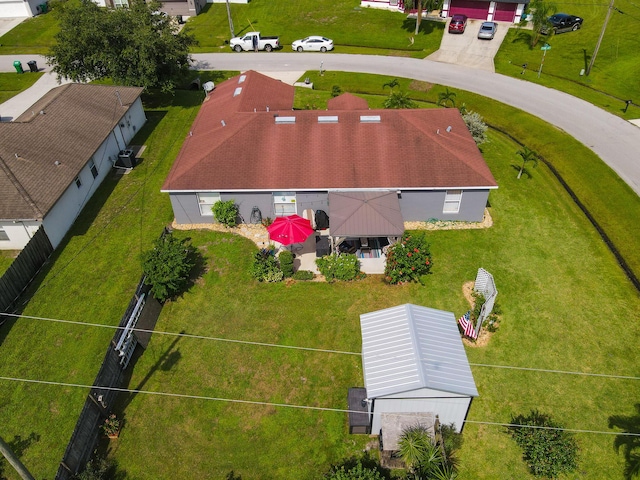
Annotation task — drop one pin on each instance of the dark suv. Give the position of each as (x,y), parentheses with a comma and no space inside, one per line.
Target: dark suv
(458,23)
(563,22)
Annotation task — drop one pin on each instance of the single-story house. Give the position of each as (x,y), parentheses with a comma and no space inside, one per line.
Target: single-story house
(414,363)
(369,170)
(54,156)
(503,10)
(20,8)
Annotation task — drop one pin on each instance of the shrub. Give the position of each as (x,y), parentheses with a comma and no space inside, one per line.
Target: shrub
(286,263)
(226,212)
(265,267)
(336,91)
(303,275)
(477,127)
(168,265)
(355,472)
(409,260)
(548,453)
(344,266)
(266,221)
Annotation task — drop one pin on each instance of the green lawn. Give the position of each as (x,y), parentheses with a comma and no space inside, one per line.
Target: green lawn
(6,259)
(353,29)
(613,78)
(34,35)
(566,303)
(12,84)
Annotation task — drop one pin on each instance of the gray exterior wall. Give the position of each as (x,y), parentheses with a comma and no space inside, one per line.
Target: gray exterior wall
(415,205)
(419,206)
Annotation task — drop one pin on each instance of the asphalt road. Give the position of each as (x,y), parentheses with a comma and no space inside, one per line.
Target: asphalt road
(614,140)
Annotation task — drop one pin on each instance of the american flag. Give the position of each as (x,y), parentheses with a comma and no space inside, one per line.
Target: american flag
(467,325)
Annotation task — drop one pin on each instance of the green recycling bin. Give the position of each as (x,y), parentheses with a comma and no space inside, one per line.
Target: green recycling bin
(18,66)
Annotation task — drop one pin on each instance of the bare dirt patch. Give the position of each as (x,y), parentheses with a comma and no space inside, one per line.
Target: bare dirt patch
(484,336)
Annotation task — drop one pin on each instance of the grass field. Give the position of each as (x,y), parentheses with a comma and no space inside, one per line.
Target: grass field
(34,35)
(13,83)
(566,306)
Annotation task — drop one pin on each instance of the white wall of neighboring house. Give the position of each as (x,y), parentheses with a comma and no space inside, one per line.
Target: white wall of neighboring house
(61,217)
(19,233)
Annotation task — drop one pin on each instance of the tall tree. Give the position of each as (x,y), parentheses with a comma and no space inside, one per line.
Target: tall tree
(425,5)
(527,155)
(540,12)
(134,46)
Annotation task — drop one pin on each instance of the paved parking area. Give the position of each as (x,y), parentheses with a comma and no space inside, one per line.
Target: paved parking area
(467,49)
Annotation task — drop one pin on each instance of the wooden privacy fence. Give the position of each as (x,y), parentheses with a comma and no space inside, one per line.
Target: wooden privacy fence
(104,393)
(23,269)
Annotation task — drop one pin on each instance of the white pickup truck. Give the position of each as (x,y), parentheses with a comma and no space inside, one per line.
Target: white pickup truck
(252,41)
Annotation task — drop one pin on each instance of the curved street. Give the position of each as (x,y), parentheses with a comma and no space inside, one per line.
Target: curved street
(614,140)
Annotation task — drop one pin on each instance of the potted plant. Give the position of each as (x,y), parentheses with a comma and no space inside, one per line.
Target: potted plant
(111,426)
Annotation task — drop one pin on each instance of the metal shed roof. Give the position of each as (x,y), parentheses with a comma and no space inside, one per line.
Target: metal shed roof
(410,347)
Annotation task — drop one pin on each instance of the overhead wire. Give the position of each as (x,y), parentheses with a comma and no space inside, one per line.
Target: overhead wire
(309,349)
(287,405)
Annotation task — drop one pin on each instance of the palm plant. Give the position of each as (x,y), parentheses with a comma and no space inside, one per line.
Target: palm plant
(446,97)
(399,100)
(630,444)
(527,155)
(541,11)
(424,457)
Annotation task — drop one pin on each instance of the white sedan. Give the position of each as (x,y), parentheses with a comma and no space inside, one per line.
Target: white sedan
(313,44)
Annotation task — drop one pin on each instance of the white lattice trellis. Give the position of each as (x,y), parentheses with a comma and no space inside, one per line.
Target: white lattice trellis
(487,287)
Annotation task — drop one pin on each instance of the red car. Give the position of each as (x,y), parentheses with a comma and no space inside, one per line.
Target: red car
(458,23)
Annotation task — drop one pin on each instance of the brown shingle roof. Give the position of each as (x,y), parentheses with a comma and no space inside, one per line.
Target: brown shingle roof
(404,149)
(67,125)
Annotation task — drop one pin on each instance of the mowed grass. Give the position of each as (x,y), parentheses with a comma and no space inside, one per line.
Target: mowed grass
(613,78)
(34,35)
(352,28)
(566,306)
(13,83)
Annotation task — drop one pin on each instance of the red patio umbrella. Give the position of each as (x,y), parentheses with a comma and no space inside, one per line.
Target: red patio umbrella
(291,229)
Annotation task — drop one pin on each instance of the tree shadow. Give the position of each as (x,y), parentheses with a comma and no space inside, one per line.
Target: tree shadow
(426,26)
(523,36)
(525,172)
(630,444)
(18,446)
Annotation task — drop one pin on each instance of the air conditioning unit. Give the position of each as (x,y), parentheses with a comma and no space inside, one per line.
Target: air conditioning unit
(126,159)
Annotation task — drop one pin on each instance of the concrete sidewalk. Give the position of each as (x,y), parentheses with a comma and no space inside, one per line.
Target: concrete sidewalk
(16,106)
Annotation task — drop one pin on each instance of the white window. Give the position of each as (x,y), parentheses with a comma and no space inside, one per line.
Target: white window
(93,168)
(452,201)
(284,203)
(121,3)
(206,201)
(78,182)
(3,235)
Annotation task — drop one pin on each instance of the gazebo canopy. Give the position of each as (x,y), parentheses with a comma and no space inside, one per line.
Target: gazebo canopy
(365,214)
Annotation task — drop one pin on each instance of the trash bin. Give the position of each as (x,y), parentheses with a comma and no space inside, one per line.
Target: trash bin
(17,64)
(43,7)
(33,66)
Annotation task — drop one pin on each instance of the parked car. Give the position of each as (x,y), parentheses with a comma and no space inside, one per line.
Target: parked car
(313,43)
(563,22)
(488,30)
(253,41)
(458,23)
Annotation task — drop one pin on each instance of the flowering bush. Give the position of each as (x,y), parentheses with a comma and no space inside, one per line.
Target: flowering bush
(408,260)
(339,267)
(111,425)
(265,266)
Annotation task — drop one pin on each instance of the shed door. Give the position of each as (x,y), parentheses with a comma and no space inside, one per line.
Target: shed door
(505,12)
(471,9)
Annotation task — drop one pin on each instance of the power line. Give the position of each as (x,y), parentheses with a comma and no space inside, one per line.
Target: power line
(309,349)
(283,405)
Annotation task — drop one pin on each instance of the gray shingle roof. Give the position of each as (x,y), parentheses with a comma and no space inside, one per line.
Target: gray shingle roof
(409,347)
(67,125)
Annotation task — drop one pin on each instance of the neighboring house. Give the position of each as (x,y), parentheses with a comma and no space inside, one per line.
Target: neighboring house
(185,8)
(504,10)
(55,155)
(371,170)
(21,8)
(414,364)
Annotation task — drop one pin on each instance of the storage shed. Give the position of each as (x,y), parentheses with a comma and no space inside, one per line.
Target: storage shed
(414,361)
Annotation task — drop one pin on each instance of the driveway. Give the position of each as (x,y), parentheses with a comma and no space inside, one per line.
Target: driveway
(467,49)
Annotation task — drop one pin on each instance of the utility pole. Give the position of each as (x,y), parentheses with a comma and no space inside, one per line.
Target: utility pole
(233,33)
(14,461)
(604,27)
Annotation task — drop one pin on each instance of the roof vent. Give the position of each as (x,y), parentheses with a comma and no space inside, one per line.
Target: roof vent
(237,91)
(327,119)
(280,120)
(56,163)
(448,128)
(223,123)
(369,118)
(242,78)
